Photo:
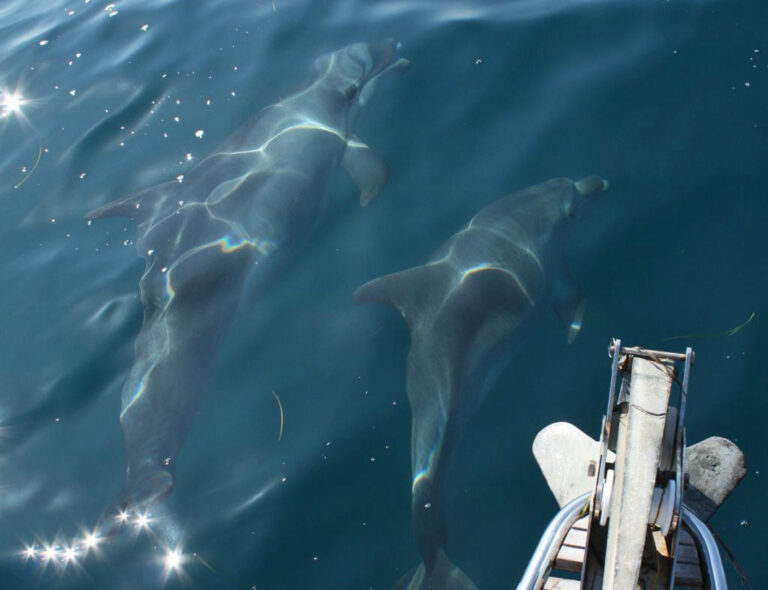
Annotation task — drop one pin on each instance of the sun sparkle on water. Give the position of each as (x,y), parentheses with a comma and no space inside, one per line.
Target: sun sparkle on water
(63,555)
(91,540)
(142,521)
(10,103)
(172,560)
(70,554)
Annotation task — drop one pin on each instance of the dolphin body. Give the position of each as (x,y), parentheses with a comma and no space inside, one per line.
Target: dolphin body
(464,309)
(260,193)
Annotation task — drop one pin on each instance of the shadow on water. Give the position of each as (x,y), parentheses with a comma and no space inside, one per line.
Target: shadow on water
(71,393)
(137,108)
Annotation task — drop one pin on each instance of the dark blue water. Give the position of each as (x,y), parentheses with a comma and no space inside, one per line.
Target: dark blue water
(668,100)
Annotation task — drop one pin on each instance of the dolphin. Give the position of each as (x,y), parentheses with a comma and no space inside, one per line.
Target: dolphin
(231,216)
(465,309)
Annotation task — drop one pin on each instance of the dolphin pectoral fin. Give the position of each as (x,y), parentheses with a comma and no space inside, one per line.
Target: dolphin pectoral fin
(140,206)
(570,306)
(367,169)
(444,575)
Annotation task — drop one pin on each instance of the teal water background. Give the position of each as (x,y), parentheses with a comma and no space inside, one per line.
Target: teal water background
(668,100)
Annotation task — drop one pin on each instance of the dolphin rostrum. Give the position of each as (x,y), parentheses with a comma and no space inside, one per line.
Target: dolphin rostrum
(260,193)
(464,309)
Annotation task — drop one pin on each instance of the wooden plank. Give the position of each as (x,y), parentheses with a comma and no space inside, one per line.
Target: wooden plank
(688,575)
(638,450)
(687,554)
(569,558)
(571,554)
(684,537)
(581,525)
(687,564)
(576,538)
(561,584)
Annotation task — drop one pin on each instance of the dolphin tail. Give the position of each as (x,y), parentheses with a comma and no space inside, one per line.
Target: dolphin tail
(140,206)
(407,291)
(444,576)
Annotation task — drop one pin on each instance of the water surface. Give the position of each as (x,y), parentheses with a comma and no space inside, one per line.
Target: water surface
(667,100)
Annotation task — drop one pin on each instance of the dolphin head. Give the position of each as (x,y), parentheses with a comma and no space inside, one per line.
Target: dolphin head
(346,77)
(586,188)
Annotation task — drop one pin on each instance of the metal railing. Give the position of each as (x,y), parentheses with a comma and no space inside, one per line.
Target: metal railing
(541,562)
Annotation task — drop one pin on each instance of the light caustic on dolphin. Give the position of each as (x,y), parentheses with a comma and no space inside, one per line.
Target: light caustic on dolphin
(466,309)
(230,216)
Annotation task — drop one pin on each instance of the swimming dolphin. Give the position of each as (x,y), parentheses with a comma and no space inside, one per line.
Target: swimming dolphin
(230,216)
(465,308)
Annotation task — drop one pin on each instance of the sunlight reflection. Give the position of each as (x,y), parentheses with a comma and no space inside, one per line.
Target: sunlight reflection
(91,540)
(142,521)
(63,553)
(70,554)
(173,560)
(49,553)
(10,103)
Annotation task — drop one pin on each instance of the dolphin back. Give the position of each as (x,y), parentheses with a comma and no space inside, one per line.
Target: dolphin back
(444,576)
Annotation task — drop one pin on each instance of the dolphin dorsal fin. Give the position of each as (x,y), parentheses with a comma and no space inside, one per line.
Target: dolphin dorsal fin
(407,291)
(139,207)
